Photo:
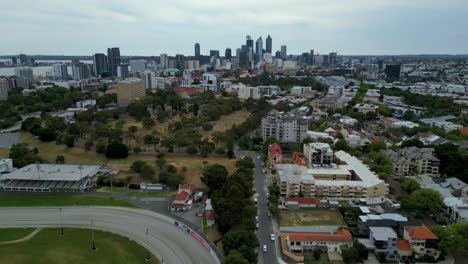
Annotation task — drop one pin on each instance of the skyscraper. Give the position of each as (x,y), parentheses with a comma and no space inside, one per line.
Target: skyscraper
(259,49)
(249,42)
(227,54)
(113,57)
(312,61)
(283,51)
(122,71)
(60,71)
(269,43)
(3,88)
(197,50)
(164,61)
(80,71)
(23,58)
(214,53)
(332,59)
(180,62)
(14,60)
(99,63)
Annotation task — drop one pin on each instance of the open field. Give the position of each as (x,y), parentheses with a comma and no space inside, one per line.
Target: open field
(74,247)
(226,122)
(10,234)
(13,199)
(310,218)
(153,194)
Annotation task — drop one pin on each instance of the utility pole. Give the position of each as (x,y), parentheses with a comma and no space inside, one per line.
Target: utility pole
(61,222)
(148,256)
(92,236)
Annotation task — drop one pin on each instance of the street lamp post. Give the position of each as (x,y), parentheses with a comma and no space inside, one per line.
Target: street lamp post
(61,222)
(92,235)
(148,257)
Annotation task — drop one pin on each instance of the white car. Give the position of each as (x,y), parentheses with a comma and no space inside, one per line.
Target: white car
(272,237)
(256,226)
(256,219)
(264,248)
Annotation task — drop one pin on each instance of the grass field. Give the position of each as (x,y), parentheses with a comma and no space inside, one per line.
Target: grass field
(107,189)
(60,200)
(310,218)
(10,234)
(226,122)
(153,194)
(48,247)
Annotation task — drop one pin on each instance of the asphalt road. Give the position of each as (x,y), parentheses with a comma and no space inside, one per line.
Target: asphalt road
(165,240)
(264,221)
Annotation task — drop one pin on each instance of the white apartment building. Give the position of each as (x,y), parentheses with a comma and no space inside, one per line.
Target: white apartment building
(318,153)
(137,65)
(211,82)
(285,128)
(349,180)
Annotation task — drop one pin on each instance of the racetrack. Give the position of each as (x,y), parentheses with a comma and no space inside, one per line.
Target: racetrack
(169,243)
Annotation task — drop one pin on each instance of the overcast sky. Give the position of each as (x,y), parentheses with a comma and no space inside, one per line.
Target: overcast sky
(151,27)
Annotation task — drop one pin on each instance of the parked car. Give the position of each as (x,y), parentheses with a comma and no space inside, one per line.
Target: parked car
(272,237)
(265,248)
(256,226)
(256,218)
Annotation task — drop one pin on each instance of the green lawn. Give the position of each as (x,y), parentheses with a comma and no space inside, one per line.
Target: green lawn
(48,247)
(9,234)
(310,218)
(107,189)
(154,194)
(60,200)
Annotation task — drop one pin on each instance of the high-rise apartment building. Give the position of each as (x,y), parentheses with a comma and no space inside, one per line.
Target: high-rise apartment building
(164,60)
(25,73)
(180,62)
(113,57)
(122,71)
(4,84)
(80,71)
(285,128)
(60,71)
(269,44)
(259,49)
(130,90)
(249,42)
(228,54)
(311,56)
(137,65)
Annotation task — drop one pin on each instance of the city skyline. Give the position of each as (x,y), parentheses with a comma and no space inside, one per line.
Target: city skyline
(144,27)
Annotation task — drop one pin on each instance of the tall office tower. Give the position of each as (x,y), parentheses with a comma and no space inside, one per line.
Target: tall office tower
(249,42)
(23,58)
(227,54)
(269,44)
(25,73)
(99,63)
(137,65)
(180,62)
(305,58)
(149,79)
(164,60)
(80,71)
(284,51)
(311,57)
(197,50)
(259,49)
(14,61)
(130,90)
(243,57)
(4,84)
(113,57)
(278,54)
(122,71)
(60,71)
(332,58)
(214,53)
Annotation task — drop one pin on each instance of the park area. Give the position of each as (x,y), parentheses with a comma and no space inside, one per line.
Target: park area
(310,218)
(75,246)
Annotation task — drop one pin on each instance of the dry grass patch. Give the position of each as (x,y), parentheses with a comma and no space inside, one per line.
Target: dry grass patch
(310,218)
(226,122)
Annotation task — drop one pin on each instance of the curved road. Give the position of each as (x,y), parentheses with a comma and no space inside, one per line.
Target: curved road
(166,241)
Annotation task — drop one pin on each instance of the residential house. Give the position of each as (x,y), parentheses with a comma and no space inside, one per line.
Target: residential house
(422,240)
(275,155)
(384,240)
(329,242)
(394,221)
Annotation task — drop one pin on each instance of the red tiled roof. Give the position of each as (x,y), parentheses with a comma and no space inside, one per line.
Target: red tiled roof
(375,138)
(181,196)
(420,232)
(341,235)
(186,186)
(388,120)
(403,245)
(463,130)
(275,149)
(304,200)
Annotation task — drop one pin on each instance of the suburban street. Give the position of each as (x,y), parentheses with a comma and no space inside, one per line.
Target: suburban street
(265,226)
(165,240)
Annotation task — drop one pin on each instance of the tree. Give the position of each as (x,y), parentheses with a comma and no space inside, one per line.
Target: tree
(117,150)
(409,185)
(89,144)
(101,148)
(350,254)
(47,134)
(148,122)
(409,116)
(453,238)
(137,165)
(214,176)
(192,149)
(234,257)
(377,146)
(160,162)
(147,171)
(60,159)
(132,129)
(137,150)
(174,180)
(22,155)
(342,145)
(424,200)
(69,140)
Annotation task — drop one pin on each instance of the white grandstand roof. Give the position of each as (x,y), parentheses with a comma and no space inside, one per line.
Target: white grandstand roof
(52,172)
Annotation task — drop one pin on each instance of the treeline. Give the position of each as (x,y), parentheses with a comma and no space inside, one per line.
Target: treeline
(284,82)
(235,210)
